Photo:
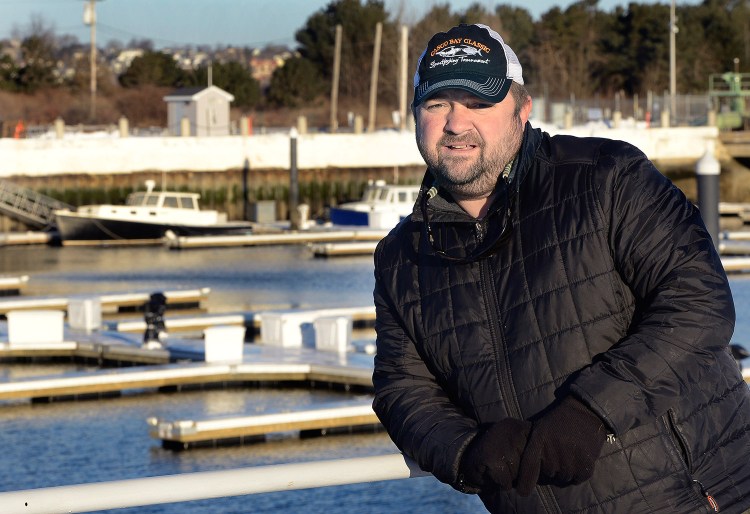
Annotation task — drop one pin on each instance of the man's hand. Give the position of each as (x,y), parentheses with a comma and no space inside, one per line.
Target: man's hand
(563,446)
(492,458)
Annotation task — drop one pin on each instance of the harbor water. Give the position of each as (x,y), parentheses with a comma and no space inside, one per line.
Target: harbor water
(65,443)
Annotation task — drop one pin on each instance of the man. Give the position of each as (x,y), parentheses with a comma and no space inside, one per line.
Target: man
(553,319)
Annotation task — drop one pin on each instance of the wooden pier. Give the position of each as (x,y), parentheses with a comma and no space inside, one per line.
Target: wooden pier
(319,420)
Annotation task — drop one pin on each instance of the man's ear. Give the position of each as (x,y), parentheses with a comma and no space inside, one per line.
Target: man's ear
(526,111)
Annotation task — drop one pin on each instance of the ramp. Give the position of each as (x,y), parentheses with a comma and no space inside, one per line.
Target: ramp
(29,207)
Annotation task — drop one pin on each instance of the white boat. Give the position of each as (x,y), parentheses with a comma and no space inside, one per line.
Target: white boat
(382,206)
(146,215)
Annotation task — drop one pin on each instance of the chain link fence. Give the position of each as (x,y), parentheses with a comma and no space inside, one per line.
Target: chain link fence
(651,110)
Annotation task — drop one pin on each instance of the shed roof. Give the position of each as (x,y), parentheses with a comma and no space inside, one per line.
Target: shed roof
(194,93)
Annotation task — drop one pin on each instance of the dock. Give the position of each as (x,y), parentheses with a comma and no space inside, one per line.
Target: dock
(101,348)
(343,249)
(261,364)
(320,420)
(252,320)
(26,238)
(736,264)
(186,323)
(13,286)
(301,237)
(112,302)
(107,243)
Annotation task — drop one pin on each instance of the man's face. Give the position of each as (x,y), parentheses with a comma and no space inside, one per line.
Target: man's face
(467,141)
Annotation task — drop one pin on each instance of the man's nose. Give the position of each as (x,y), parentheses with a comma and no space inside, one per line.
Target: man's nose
(457,120)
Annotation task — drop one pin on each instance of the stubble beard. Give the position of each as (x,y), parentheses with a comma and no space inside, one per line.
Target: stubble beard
(477,179)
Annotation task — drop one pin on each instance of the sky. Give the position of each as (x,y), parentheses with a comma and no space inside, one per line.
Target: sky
(253,23)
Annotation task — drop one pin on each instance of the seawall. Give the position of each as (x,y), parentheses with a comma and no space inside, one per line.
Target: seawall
(332,167)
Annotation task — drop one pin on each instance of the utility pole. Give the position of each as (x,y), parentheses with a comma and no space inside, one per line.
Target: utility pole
(672,62)
(374,77)
(89,18)
(335,85)
(402,88)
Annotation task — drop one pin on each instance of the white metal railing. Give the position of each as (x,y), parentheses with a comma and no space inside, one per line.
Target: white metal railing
(208,484)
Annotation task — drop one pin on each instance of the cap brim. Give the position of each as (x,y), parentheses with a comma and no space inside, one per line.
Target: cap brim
(491,89)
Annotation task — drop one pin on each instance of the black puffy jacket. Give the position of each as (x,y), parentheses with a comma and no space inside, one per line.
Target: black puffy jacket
(606,286)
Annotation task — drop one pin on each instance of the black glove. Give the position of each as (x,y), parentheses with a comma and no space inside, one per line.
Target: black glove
(492,458)
(563,446)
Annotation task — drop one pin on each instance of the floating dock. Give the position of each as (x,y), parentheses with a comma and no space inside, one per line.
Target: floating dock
(302,237)
(260,364)
(114,302)
(106,243)
(343,249)
(185,323)
(26,238)
(736,264)
(320,420)
(252,320)
(12,286)
(109,350)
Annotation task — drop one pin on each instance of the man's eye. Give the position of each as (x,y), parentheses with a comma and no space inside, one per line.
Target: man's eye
(433,106)
(480,105)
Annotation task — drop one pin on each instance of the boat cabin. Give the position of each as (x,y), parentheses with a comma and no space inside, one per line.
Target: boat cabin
(164,199)
(379,192)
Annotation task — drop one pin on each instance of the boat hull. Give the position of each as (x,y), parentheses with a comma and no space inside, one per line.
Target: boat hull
(343,216)
(79,228)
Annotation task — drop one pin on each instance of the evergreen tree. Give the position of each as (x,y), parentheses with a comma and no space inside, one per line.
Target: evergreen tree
(153,68)
(294,84)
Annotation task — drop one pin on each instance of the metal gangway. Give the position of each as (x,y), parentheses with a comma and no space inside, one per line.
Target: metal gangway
(35,210)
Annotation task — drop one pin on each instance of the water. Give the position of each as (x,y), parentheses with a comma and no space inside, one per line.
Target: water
(79,442)
(90,441)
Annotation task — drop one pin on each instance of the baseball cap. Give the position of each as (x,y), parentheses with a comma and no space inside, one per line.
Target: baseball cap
(470,57)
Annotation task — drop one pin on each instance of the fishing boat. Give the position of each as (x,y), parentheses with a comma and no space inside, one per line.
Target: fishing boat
(382,206)
(146,215)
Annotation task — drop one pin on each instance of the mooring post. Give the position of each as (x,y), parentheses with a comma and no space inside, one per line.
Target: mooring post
(245,190)
(293,180)
(707,171)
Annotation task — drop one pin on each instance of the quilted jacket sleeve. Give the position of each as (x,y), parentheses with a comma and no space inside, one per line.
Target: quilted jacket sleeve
(419,416)
(685,313)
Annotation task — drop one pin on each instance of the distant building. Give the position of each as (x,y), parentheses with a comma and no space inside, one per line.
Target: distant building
(124,59)
(204,109)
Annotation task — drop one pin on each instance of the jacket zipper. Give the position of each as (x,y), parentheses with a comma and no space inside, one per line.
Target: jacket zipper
(500,348)
(710,499)
(682,445)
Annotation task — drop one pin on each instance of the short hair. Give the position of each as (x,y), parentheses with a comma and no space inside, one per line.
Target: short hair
(520,95)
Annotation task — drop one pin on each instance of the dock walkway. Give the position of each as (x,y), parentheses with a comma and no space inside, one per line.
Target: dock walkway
(319,420)
(113,302)
(260,364)
(300,237)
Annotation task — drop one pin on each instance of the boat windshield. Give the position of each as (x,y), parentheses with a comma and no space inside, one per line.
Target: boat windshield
(135,199)
(188,202)
(171,201)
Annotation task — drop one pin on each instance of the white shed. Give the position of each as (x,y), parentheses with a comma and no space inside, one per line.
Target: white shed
(206,109)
